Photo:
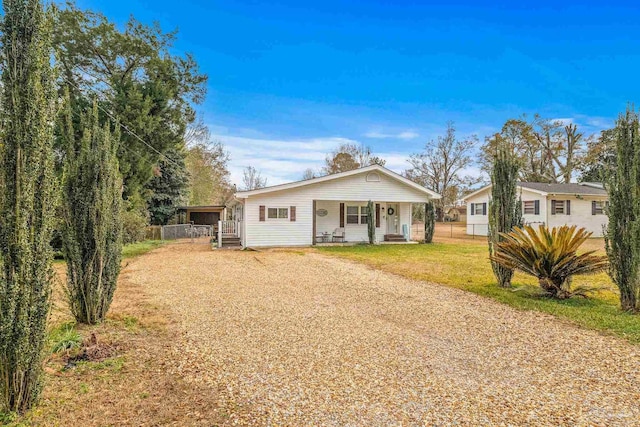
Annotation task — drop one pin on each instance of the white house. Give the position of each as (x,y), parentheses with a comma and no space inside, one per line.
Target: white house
(331,208)
(550,204)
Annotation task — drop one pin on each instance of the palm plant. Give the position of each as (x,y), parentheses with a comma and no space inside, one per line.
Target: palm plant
(549,255)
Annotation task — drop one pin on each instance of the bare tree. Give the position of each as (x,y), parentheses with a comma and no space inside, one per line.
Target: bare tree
(350,156)
(309,174)
(439,167)
(252,179)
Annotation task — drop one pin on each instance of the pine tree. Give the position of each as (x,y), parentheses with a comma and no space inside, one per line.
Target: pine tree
(169,187)
(26,200)
(92,231)
(371,224)
(505,208)
(429,221)
(622,237)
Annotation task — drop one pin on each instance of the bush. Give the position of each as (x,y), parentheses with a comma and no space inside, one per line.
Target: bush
(429,221)
(550,256)
(134,226)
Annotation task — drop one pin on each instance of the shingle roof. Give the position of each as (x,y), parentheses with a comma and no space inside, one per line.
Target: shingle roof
(587,188)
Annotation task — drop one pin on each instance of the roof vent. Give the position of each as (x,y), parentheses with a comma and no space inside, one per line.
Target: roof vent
(373,177)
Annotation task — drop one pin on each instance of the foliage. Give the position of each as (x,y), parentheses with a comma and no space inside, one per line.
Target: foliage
(439,167)
(547,150)
(505,208)
(252,179)
(622,235)
(206,163)
(429,221)
(371,222)
(169,187)
(134,224)
(600,158)
(64,337)
(92,232)
(309,174)
(349,157)
(136,249)
(27,200)
(551,256)
(148,88)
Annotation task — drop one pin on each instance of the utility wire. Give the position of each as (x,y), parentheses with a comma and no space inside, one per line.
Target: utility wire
(125,127)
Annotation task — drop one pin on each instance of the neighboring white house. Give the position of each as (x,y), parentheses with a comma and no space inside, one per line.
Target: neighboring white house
(554,205)
(330,208)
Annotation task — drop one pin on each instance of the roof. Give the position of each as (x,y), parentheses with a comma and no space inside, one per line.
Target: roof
(543,188)
(377,168)
(201,207)
(584,188)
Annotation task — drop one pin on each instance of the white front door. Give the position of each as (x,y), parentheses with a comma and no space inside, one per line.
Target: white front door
(393,219)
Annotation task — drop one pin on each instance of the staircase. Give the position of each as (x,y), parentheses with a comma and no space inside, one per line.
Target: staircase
(394,238)
(231,242)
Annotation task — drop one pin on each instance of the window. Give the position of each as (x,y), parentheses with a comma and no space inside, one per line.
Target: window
(278,213)
(531,207)
(356,215)
(598,207)
(560,207)
(478,208)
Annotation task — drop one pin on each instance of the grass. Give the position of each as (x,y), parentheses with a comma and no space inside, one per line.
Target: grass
(465,265)
(64,337)
(140,248)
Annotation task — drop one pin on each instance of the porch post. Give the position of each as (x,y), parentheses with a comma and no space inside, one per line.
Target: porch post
(313,228)
(219,233)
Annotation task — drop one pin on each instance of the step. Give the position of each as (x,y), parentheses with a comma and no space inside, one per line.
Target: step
(394,238)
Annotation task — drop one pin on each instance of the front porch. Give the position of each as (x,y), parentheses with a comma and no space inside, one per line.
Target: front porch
(345,222)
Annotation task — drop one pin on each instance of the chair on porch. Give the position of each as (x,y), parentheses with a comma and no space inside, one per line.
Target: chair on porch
(338,235)
(320,238)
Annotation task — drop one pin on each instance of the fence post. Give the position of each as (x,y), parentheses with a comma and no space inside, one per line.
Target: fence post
(219,234)
(162,232)
(452,230)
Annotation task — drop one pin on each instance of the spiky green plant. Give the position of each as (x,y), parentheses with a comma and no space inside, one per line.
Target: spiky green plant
(505,208)
(551,256)
(92,231)
(429,221)
(27,200)
(622,235)
(371,223)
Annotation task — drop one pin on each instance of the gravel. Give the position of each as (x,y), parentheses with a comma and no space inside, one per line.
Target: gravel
(298,338)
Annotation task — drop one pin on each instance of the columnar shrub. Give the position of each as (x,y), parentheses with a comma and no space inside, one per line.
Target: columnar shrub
(92,234)
(429,221)
(505,209)
(26,200)
(622,236)
(371,223)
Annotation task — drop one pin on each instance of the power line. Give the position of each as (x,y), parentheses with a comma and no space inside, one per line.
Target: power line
(132,133)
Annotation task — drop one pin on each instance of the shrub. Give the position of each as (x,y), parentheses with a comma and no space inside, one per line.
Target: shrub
(505,210)
(134,226)
(371,223)
(92,234)
(429,221)
(622,236)
(550,256)
(27,200)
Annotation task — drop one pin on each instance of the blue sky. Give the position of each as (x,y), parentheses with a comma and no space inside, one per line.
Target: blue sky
(290,80)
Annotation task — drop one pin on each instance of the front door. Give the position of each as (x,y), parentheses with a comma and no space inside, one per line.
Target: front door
(393,219)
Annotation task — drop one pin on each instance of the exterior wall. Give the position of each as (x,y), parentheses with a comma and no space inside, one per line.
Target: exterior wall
(580,214)
(328,194)
(478,225)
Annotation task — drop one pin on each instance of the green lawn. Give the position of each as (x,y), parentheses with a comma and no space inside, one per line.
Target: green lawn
(466,266)
(140,248)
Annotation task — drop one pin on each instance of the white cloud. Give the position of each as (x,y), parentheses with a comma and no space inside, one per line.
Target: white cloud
(408,134)
(564,120)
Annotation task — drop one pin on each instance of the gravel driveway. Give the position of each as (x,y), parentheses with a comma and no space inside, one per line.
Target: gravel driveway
(299,338)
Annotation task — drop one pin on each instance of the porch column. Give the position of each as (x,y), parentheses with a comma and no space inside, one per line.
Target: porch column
(313,228)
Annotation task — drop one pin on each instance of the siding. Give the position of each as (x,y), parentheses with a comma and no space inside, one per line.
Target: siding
(580,213)
(328,194)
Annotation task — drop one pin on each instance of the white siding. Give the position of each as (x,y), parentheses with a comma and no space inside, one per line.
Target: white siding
(328,195)
(580,214)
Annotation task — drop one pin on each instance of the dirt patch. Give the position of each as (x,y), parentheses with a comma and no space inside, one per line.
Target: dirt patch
(124,374)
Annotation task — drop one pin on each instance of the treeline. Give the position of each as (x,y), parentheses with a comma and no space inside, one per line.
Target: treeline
(166,154)
(545,150)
